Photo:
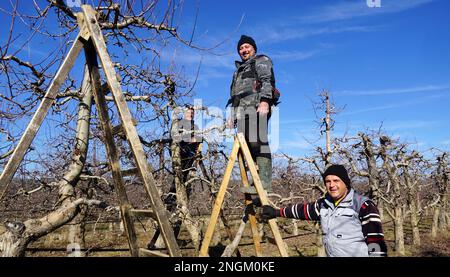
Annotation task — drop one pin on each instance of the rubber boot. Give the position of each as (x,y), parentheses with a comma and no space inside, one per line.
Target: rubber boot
(265,175)
(265,172)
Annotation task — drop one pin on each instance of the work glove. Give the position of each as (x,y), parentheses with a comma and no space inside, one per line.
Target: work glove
(256,202)
(269,212)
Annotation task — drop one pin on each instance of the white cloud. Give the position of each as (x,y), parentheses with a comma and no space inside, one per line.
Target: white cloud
(302,144)
(296,121)
(194,58)
(373,109)
(388,91)
(294,55)
(350,10)
(401,128)
(392,105)
(277,34)
(408,125)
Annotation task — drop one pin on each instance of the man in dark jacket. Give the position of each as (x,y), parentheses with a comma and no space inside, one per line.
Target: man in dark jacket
(251,99)
(185,133)
(350,222)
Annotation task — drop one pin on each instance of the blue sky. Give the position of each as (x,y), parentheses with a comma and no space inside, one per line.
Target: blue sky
(387,66)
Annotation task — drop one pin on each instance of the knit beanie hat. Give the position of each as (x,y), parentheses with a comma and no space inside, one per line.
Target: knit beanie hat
(247,39)
(337,170)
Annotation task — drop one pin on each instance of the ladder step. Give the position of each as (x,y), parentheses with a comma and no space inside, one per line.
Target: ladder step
(129,172)
(142,213)
(118,130)
(105,88)
(151,253)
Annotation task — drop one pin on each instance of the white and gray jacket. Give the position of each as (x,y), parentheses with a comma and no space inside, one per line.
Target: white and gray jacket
(350,229)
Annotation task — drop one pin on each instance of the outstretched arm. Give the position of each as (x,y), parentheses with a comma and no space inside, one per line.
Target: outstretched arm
(306,211)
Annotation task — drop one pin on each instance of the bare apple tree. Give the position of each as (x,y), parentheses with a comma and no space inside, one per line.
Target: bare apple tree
(137,35)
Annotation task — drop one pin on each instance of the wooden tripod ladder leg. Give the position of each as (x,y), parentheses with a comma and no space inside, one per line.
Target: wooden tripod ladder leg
(248,201)
(39,116)
(262,193)
(219,200)
(241,152)
(130,131)
(111,149)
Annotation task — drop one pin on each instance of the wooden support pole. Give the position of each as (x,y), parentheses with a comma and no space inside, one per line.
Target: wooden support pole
(36,122)
(130,131)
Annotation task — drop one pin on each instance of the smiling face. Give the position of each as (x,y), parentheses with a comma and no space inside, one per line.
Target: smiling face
(336,188)
(246,51)
(189,114)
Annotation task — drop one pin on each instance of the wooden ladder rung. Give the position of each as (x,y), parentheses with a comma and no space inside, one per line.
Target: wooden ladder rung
(151,253)
(118,129)
(129,172)
(143,213)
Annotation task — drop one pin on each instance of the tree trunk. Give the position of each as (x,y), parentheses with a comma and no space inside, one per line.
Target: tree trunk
(398,231)
(441,217)
(391,170)
(191,224)
(447,216)
(414,224)
(120,223)
(413,200)
(77,230)
(294,227)
(11,244)
(434,225)
(319,242)
(381,210)
(76,238)
(15,241)
(443,213)
(77,233)
(372,170)
(328,127)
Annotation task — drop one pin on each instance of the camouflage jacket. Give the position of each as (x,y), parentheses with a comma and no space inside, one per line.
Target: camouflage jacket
(245,91)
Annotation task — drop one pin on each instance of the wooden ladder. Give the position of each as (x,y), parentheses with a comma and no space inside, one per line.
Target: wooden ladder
(91,39)
(241,152)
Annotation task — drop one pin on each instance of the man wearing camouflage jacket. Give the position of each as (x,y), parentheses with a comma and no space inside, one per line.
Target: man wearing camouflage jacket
(251,99)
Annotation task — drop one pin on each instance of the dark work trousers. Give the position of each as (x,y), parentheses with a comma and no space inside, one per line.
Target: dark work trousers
(255,129)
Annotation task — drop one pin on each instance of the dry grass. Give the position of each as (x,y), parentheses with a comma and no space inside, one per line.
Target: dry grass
(107,236)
